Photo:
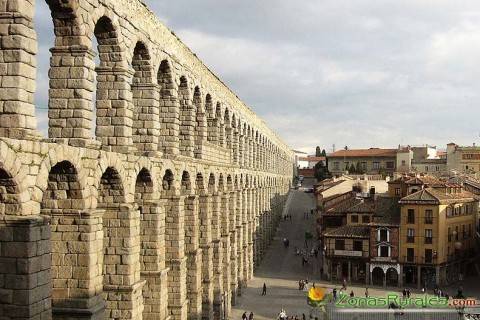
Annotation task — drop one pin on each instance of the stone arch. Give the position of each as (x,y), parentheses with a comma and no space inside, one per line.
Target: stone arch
(200,184)
(146,123)
(391,277)
(18,173)
(219,125)
(212,187)
(62,201)
(187,118)
(211,122)
(186,183)
(55,155)
(111,191)
(377,276)
(9,195)
(168,185)
(200,120)
(115,132)
(110,160)
(169,108)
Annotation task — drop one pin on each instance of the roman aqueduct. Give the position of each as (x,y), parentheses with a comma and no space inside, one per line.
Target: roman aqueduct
(164,211)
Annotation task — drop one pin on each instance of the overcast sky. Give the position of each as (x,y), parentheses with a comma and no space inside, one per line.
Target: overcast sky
(358,73)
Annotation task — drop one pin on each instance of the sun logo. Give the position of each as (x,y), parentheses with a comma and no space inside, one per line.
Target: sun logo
(316,294)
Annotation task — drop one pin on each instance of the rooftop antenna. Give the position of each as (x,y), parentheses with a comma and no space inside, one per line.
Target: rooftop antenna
(333,147)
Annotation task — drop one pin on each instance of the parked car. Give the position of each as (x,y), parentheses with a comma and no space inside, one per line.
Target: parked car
(308,190)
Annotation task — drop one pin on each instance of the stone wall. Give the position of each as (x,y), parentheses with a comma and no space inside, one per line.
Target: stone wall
(164,211)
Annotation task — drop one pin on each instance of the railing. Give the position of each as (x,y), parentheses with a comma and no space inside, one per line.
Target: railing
(428,240)
(428,220)
(410,259)
(410,239)
(346,253)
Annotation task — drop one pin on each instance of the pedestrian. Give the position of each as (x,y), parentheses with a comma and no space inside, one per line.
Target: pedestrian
(352,294)
(344,285)
(334,293)
(423,289)
(303,316)
(264,290)
(250,317)
(366,292)
(296,317)
(404,292)
(244,316)
(408,293)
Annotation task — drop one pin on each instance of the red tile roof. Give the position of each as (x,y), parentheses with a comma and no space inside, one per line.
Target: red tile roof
(372,152)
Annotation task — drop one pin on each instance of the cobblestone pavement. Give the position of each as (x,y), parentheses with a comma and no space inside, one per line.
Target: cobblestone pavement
(281,269)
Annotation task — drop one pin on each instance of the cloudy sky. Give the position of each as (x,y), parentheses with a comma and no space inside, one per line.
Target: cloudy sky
(358,73)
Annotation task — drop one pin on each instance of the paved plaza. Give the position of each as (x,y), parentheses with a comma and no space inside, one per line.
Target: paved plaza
(281,269)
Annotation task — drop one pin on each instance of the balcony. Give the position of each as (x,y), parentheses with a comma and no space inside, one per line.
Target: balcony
(410,239)
(410,259)
(347,253)
(420,260)
(428,240)
(428,220)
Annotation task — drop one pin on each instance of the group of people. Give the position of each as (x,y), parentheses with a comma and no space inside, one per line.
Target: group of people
(306,214)
(288,217)
(282,315)
(249,317)
(302,283)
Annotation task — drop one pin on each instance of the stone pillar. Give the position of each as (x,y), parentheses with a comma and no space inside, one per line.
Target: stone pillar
(146,124)
(169,115)
(217,257)
(70,108)
(187,124)
(225,241)
(245,233)
(152,260)
(114,108)
(25,261)
(176,260)
(121,282)
(77,255)
(236,147)
(239,241)
(233,214)
(201,122)
(18,65)
(194,258)
(251,234)
(205,214)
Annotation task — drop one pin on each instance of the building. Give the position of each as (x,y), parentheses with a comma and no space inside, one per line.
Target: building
(370,161)
(436,235)
(345,183)
(463,159)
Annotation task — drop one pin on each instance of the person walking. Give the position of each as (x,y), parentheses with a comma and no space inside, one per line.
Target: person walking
(264,290)
(250,316)
(244,316)
(366,292)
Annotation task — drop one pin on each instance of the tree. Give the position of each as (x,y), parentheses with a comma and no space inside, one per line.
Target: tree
(318,153)
(321,171)
(352,169)
(359,168)
(324,153)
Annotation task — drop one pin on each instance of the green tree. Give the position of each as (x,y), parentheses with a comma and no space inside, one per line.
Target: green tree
(324,153)
(321,171)
(318,153)
(352,169)
(359,169)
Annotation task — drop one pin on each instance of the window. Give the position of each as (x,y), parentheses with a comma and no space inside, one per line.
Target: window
(426,168)
(346,165)
(428,256)
(469,230)
(449,211)
(410,254)
(397,191)
(456,233)
(390,165)
(464,233)
(428,236)
(354,218)
(383,235)
(357,245)
(339,244)
(449,235)
(376,165)
(428,216)
(363,165)
(384,251)
(411,216)
(365,219)
(403,163)
(410,235)
(336,166)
